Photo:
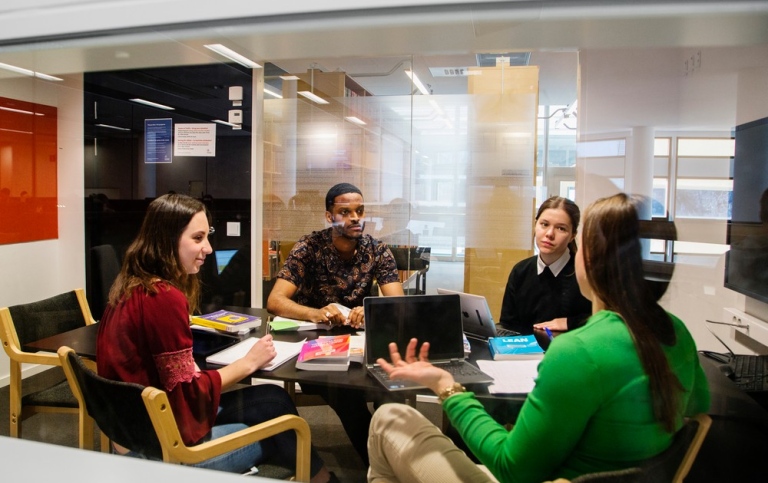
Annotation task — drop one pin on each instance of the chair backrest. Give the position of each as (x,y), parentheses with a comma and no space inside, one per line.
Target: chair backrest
(117,407)
(45,318)
(105,267)
(411,258)
(675,462)
(628,475)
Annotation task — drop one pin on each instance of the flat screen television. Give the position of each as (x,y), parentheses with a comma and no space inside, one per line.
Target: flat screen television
(746,263)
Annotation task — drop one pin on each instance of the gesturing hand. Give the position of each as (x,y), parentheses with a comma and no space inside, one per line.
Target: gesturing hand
(415,369)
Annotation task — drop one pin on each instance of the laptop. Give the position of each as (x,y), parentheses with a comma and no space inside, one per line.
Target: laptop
(433,318)
(476,316)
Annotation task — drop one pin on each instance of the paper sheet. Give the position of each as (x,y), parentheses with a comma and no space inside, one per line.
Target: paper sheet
(510,377)
(285,352)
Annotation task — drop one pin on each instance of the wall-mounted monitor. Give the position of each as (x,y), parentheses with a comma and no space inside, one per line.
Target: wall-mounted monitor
(746,267)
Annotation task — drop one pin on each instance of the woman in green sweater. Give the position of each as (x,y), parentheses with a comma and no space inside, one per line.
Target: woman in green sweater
(608,395)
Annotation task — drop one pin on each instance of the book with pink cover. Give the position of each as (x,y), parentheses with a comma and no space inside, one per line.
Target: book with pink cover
(326,353)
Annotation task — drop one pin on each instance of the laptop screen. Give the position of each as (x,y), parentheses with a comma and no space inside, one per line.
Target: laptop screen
(433,318)
(222,258)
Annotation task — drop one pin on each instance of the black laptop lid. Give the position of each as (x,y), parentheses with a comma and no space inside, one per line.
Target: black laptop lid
(433,318)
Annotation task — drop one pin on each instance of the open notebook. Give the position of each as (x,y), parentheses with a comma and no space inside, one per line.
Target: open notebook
(285,352)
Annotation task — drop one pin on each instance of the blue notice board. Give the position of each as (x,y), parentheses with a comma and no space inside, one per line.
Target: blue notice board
(158,140)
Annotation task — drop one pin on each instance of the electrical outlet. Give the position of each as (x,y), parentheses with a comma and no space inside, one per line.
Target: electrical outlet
(754,327)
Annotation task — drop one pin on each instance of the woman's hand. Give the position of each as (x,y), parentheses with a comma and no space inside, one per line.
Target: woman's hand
(559,324)
(262,352)
(415,369)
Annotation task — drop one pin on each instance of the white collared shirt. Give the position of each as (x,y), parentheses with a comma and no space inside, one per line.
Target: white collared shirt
(556,266)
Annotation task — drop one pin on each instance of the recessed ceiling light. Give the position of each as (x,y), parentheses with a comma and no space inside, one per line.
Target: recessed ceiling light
(232,55)
(355,120)
(20,111)
(272,93)
(230,124)
(153,104)
(110,126)
(313,97)
(417,82)
(31,73)
(289,77)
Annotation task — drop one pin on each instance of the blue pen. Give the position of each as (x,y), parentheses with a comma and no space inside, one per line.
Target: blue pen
(549,333)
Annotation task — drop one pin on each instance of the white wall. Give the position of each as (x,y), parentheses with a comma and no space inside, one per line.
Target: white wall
(37,270)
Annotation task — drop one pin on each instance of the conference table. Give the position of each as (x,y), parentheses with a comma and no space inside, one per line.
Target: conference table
(728,401)
(83,341)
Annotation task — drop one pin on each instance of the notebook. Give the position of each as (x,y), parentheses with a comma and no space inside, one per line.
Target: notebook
(476,316)
(433,318)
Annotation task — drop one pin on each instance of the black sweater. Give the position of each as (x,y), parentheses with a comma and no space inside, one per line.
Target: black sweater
(531,298)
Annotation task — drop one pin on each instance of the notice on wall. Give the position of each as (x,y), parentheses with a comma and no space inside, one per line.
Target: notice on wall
(195,140)
(158,140)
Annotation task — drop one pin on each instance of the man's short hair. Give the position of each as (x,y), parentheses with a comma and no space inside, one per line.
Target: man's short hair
(338,190)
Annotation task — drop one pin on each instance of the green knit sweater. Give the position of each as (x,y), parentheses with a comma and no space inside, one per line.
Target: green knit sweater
(589,411)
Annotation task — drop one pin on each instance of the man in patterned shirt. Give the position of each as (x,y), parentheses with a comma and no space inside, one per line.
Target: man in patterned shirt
(337,265)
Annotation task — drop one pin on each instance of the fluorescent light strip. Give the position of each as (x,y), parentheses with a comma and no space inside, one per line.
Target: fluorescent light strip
(109,126)
(232,55)
(272,93)
(31,73)
(289,77)
(355,120)
(313,97)
(153,104)
(230,124)
(22,111)
(14,130)
(417,82)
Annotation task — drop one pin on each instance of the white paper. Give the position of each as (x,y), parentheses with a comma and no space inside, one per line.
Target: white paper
(285,352)
(510,377)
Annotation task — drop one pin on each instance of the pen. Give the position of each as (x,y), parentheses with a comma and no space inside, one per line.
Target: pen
(549,333)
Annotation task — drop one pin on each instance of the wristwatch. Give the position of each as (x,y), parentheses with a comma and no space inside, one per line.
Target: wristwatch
(450,391)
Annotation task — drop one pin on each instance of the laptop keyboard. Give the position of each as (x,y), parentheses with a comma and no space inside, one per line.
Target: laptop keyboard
(502,332)
(751,372)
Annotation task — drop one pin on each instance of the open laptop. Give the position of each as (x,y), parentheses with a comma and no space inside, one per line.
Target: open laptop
(433,318)
(476,316)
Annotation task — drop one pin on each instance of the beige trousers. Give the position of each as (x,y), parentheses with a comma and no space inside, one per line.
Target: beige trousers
(404,446)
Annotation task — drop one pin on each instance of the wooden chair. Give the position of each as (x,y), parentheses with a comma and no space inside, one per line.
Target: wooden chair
(22,324)
(140,418)
(672,465)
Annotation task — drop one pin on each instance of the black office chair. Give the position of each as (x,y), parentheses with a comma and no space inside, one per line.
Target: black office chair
(140,418)
(413,265)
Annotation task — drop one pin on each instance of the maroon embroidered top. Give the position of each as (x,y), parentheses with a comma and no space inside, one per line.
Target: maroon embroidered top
(147,340)
(323,278)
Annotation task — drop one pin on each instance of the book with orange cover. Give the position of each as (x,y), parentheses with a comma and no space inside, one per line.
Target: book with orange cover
(326,353)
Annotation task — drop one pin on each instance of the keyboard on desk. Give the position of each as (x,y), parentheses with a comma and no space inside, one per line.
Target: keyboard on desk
(750,372)
(502,332)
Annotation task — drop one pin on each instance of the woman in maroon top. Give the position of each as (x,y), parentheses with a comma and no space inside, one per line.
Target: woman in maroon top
(144,337)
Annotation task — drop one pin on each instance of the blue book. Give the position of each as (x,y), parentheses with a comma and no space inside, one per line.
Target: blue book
(515,347)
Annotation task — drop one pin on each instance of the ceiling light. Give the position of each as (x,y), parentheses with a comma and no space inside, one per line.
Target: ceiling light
(355,120)
(313,97)
(232,55)
(289,77)
(153,104)
(20,111)
(272,93)
(31,73)
(570,110)
(109,126)
(417,82)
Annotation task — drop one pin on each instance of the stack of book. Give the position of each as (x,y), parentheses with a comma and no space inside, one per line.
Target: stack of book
(326,353)
(227,321)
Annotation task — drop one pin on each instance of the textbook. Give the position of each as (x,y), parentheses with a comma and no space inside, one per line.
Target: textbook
(326,353)
(515,347)
(284,324)
(227,321)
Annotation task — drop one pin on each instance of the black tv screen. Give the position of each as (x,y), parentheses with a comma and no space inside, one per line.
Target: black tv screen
(746,266)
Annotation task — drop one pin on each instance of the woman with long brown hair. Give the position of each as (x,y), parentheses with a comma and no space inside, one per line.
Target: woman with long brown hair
(608,395)
(144,337)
